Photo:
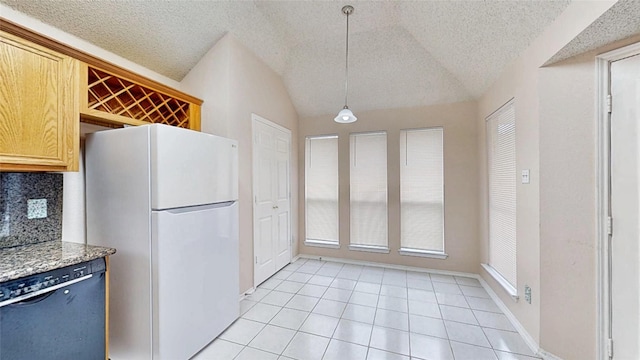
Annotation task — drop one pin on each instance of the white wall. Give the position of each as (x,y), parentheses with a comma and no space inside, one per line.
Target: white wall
(73,205)
(234,83)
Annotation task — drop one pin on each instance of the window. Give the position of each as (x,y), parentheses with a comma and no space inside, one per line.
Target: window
(501,162)
(421,191)
(368,192)
(321,191)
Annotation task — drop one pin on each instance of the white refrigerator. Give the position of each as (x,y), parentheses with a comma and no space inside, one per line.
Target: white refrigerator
(166,199)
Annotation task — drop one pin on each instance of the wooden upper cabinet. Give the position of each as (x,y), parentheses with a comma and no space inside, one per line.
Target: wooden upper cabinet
(118,99)
(47,88)
(39,107)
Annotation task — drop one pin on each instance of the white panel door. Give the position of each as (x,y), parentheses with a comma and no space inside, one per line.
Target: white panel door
(272,205)
(282,197)
(625,208)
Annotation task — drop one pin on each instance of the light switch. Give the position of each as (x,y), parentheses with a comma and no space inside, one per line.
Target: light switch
(525,176)
(36,208)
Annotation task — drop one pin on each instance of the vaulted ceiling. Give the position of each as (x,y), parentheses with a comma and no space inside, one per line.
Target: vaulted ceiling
(402,53)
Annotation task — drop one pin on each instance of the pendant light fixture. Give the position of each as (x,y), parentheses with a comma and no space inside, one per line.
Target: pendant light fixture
(345,115)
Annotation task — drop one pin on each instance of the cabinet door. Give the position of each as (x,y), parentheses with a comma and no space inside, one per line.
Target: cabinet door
(39,114)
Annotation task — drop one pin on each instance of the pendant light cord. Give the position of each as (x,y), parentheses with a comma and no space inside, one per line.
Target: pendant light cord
(346,68)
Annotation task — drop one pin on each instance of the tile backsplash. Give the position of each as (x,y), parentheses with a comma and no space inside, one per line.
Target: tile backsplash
(30,208)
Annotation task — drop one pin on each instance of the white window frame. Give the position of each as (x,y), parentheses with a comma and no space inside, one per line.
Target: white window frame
(321,242)
(367,247)
(510,288)
(429,253)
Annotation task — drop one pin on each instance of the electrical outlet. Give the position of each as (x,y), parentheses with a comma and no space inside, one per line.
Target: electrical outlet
(527,294)
(36,208)
(525,176)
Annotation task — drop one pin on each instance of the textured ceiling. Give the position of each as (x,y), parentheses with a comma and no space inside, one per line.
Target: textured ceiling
(621,21)
(402,53)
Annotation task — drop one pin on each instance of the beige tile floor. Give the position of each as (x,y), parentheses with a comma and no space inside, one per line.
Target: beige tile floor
(315,309)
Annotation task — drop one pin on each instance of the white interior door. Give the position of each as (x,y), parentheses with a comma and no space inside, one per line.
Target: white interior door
(272,205)
(625,204)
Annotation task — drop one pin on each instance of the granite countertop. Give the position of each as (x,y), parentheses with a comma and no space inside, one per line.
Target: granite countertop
(25,260)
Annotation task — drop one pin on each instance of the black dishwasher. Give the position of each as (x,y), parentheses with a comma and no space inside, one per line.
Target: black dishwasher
(55,315)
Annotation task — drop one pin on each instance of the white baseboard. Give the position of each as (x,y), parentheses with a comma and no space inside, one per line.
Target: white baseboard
(390,266)
(547,355)
(247,293)
(528,339)
(253,288)
(533,345)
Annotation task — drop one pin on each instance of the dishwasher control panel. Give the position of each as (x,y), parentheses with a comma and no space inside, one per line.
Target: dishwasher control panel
(29,284)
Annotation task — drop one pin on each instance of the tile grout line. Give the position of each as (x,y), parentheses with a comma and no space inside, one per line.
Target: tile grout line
(409,320)
(376,308)
(378,293)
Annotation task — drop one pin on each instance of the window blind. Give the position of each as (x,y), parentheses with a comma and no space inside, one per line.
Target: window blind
(368,194)
(501,156)
(422,189)
(321,188)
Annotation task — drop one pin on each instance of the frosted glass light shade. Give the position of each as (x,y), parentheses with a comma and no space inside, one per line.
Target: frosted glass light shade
(345,116)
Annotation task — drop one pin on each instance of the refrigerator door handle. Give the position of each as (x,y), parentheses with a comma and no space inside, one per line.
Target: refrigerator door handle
(187,209)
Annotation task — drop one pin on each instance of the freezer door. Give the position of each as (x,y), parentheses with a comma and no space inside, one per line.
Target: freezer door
(195,277)
(191,168)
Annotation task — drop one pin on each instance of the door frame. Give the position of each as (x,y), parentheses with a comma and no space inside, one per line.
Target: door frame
(257,118)
(603,193)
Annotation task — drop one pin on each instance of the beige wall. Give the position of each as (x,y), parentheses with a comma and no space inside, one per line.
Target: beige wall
(210,81)
(234,83)
(568,243)
(520,84)
(538,264)
(567,209)
(460,172)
